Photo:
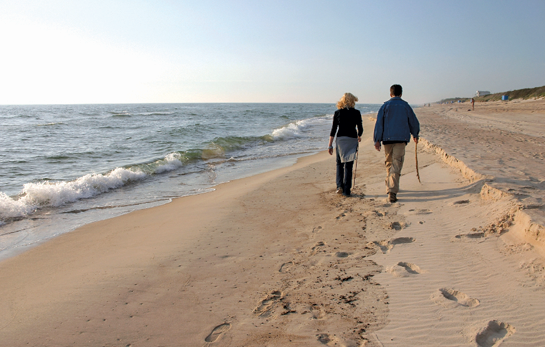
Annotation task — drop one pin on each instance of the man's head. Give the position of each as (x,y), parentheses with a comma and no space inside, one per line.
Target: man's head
(396,90)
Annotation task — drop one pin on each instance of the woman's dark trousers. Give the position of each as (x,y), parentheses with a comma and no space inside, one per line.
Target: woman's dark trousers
(344,175)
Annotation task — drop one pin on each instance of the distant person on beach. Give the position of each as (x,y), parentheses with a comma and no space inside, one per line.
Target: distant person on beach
(396,122)
(347,126)
(473,104)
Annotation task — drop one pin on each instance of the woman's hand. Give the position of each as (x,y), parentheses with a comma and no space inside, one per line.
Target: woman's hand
(330,145)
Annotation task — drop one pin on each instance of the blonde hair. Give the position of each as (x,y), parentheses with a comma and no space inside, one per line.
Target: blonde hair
(348,100)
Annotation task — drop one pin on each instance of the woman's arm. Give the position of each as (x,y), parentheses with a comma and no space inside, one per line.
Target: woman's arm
(333,132)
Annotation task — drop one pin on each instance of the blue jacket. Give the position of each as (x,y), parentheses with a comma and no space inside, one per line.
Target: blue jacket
(396,121)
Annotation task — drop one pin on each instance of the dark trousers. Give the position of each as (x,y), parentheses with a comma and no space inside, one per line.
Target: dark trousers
(344,175)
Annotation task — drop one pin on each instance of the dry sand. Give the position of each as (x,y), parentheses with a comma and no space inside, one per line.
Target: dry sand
(280,259)
(504,141)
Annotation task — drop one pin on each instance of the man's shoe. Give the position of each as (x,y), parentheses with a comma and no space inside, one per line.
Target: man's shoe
(339,190)
(393,197)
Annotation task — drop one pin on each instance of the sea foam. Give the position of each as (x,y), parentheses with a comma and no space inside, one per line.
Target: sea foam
(298,128)
(10,208)
(54,194)
(59,193)
(171,162)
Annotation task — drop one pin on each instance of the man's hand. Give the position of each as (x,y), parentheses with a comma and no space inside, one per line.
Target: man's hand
(377,146)
(330,150)
(359,138)
(415,139)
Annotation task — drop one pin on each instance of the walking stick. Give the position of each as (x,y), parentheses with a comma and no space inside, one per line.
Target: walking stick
(356,169)
(416,159)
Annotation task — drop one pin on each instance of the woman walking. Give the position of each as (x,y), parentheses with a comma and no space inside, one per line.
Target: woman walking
(347,126)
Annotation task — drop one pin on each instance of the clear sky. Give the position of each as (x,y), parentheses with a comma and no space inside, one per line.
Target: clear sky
(134,51)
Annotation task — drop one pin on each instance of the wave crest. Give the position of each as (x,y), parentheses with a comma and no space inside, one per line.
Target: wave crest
(59,193)
(298,128)
(10,208)
(54,194)
(171,162)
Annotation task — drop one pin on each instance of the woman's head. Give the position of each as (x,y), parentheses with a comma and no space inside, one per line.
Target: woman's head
(348,100)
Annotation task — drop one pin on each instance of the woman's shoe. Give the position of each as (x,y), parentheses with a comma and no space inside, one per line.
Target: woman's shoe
(339,190)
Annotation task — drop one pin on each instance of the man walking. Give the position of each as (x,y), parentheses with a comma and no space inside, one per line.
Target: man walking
(396,122)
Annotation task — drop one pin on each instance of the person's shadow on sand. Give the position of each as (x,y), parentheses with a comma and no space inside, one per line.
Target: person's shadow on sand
(407,196)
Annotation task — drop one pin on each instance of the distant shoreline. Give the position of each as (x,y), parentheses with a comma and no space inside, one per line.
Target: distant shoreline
(525,93)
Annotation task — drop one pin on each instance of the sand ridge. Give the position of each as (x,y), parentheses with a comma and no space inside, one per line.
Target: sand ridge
(502,142)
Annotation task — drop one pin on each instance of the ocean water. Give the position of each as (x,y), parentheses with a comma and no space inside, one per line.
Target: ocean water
(63,166)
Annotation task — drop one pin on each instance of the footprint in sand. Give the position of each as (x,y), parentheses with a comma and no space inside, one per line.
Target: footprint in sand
(286,267)
(469,236)
(410,267)
(451,298)
(375,213)
(266,304)
(317,247)
(461,202)
(217,332)
(342,215)
(494,334)
(317,311)
(404,269)
(402,240)
(419,211)
(329,340)
(395,226)
(386,246)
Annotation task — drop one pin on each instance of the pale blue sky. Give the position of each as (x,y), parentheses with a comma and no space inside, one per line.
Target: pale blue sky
(114,51)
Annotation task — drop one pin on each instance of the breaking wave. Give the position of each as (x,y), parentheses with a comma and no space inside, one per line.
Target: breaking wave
(298,128)
(54,194)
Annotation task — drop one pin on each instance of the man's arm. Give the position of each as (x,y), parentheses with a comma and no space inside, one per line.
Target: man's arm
(414,125)
(379,128)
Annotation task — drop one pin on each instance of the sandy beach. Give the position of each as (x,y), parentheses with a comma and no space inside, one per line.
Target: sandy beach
(279,259)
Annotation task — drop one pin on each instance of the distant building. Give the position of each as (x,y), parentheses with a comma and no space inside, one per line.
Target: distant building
(482,93)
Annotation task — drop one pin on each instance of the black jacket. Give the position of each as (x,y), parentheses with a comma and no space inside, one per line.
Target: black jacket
(347,120)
